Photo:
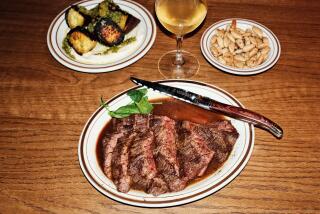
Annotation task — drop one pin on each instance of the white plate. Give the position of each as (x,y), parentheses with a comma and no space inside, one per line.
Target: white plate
(231,168)
(145,33)
(274,44)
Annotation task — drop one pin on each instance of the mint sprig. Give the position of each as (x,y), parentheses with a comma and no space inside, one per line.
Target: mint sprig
(139,105)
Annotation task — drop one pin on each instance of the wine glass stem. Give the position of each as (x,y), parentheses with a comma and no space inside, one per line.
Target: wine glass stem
(179,61)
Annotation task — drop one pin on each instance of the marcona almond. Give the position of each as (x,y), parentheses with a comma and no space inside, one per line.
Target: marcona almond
(214,51)
(221,59)
(231,37)
(253,52)
(247,41)
(220,42)
(265,51)
(248,48)
(239,58)
(253,40)
(225,50)
(235,34)
(214,39)
(226,41)
(257,31)
(240,48)
(231,47)
(239,42)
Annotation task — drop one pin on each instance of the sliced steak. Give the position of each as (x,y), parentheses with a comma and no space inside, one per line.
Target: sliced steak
(158,186)
(121,127)
(229,132)
(220,137)
(142,167)
(157,154)
(141,122)
(165,151)
(120,163)
(165,140)
(109,142)
(193,152)
(123,124)
(135,122)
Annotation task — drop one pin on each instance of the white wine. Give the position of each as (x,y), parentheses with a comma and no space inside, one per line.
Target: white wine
(181,16)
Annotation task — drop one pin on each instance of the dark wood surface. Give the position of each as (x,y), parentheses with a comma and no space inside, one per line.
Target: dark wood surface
(44,106)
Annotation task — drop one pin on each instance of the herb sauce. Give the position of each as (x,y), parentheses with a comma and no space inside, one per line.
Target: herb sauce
(67,48)
(116,48)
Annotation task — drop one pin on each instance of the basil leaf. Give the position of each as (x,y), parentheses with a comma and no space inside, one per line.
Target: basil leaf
(103,103)
(140,105)
(128,109)
(144,106)
(113,114)
(137,95)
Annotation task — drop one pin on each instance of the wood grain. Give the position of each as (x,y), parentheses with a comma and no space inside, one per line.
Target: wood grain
(44,106)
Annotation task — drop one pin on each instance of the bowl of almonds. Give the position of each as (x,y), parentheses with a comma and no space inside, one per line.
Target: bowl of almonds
(240,46)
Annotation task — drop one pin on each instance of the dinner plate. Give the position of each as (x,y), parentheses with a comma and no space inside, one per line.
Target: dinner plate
(274,54)
(145,33)
(231,168)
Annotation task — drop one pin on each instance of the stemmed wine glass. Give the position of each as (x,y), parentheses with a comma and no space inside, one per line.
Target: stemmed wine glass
(180,17)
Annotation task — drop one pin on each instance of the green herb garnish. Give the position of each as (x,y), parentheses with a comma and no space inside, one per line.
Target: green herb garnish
(139,105)
(66,47)
(115,49)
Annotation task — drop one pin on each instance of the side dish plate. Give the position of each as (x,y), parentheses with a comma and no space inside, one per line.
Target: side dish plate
(273,57)
(145,34)
(232,167)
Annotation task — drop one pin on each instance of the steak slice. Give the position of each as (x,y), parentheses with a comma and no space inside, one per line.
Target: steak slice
(142,167)
(120,163)
(141,122)
(158,186)
(135,122)
(229,132)
(109,142)
(193,152)
(165,151)
(220,137)
(165,140)
(123,124)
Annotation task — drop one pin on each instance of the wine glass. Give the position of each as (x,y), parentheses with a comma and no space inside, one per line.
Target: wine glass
(180,17)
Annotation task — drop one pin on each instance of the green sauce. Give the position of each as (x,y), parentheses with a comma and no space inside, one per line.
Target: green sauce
(67,48)
(115,49)
(115,16)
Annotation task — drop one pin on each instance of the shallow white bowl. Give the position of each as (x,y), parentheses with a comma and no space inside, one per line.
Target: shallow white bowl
(274,54)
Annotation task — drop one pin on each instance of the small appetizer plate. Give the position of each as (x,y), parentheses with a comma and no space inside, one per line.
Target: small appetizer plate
(274,44)
(144,32)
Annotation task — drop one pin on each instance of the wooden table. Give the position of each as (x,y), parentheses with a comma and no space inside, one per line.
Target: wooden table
(44,106)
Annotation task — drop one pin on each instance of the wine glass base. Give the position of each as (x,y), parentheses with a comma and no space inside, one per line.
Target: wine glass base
(170,70)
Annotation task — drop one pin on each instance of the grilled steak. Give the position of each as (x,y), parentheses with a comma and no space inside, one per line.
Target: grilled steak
(219,136)
(158,186)
(109,142)
(120,163)
(142,167)
(157,154)
(165,151)
(193,152)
